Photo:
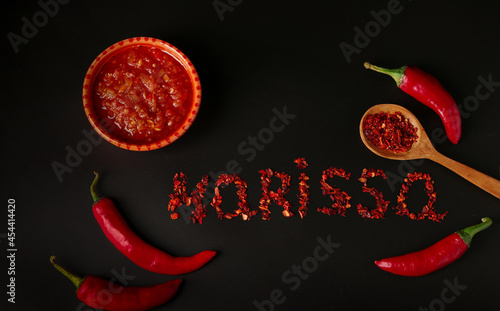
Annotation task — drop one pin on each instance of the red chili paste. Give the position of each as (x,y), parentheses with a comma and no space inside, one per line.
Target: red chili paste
(145,92)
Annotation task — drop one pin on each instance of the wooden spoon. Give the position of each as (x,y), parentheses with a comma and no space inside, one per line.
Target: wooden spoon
(423,149)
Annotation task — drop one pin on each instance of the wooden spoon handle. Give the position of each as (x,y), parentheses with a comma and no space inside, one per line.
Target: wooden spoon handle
(483,181)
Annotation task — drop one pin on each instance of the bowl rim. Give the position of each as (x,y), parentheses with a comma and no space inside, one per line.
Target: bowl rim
(102,128)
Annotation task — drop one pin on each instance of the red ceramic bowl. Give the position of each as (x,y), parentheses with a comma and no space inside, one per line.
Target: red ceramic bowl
(137,110)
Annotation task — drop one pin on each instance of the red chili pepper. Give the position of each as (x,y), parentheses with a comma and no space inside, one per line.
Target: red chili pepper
(141,253)
(434,257)
(100,293)
(427,90)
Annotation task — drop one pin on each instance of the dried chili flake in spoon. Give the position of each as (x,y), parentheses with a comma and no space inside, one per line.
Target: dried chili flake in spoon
(391,131)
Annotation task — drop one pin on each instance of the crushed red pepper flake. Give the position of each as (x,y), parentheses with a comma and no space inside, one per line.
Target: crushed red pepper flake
(391,131)
(179,196)
(428,211)
(265,200)
(243,207)
(278,196)
(197,196)
(303,195)
(174,216)
(382,205)
(341,200)
(301,163)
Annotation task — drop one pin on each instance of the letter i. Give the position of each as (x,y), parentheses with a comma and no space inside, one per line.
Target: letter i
(303,187)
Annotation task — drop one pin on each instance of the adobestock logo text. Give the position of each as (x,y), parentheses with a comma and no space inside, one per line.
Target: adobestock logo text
(363,37)
(31,26)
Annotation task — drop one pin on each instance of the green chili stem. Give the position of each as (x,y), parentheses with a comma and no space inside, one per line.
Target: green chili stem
(94,194)
(467,233)
(77,280)
(397,74)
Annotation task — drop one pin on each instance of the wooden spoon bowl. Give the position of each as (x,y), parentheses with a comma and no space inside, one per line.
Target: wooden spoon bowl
(422,148)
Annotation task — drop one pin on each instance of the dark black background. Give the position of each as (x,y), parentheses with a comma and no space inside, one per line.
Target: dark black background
(262,55)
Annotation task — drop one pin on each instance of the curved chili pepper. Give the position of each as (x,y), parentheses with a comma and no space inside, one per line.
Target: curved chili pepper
(100,293)
(434,257)
(141,253)
(426,89)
